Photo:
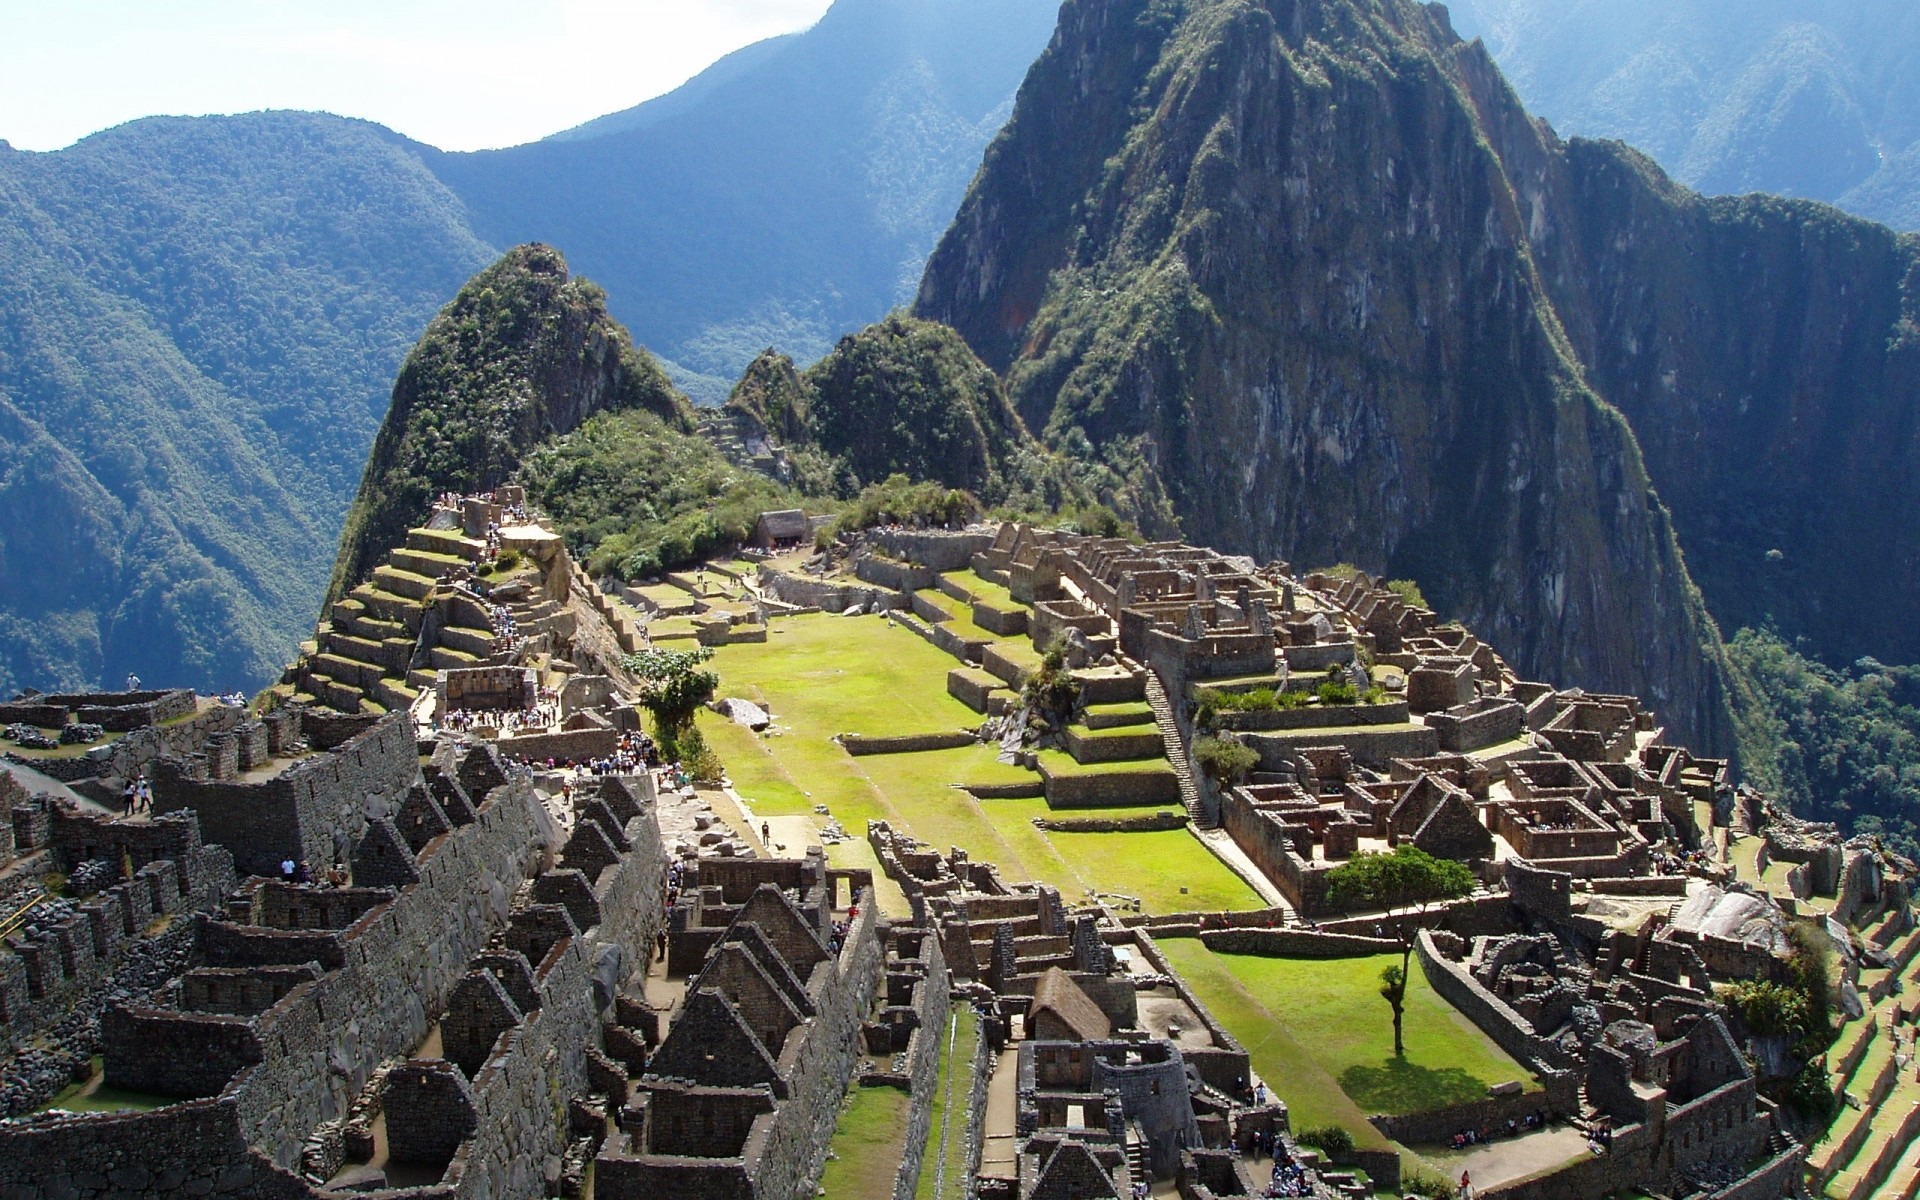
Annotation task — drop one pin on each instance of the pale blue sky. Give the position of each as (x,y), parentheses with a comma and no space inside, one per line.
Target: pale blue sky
(458,74)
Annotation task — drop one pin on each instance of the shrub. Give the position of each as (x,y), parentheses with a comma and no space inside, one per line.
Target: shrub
(508,560)
(1225,760)
(1333,692)
(1409,591)
(693,753)
(1417,1182)
(1330,1138)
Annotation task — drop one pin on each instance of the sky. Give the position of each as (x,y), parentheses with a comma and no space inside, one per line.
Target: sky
(457,74)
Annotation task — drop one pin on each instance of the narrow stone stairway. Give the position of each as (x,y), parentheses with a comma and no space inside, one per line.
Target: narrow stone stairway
(1162,705)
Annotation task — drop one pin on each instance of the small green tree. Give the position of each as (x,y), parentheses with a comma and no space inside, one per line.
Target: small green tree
(1052,691)
(674,686)
(1393,989)
(1408,883)
(1225,760)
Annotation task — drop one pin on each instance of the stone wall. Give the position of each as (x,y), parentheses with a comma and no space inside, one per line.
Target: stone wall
(925,1049)
(313,811)
(1295,943)
(192,1149)
(567,746)
(892,573)
(1494,1017)
(937,549)
(1317,716)
(860,744)
(1372,746)
(837,596)
(399,964)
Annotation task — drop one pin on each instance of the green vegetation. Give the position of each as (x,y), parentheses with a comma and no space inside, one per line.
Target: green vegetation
(1839,746)
(1331,1138)
(1303,1023)
(675,685)
(523,351)
(898,500)
(864,1156)
(1408,882)
(635,495)
(1225,760)
(823,675)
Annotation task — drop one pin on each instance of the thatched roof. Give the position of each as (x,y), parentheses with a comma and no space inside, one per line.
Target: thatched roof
(1058,994)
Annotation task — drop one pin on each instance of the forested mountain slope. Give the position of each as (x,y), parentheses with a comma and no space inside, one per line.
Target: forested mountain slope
(1311,273)
(201,319)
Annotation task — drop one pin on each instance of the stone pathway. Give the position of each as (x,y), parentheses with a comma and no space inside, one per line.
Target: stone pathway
(1229,852)
(1508,1159)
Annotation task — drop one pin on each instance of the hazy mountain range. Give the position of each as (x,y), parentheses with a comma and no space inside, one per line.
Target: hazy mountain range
(201,319)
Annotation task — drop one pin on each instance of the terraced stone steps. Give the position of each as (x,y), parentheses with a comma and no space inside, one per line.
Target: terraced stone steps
(1871,1081)
(1176,750)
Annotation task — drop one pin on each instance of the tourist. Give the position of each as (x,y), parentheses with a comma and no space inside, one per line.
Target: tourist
(302,873)
(286,869)
(143,795)
(1466,1186)
(766,835)
(131,797)
(133,682)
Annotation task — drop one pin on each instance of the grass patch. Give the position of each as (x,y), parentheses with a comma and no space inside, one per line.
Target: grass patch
(994,594)
(831,674)
(1059,762)
(947,1134)
(1322,1038)
(864,1156)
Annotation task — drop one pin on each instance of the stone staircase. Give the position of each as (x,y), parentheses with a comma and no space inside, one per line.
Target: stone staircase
(744,445)
(1163,716)
(378,649)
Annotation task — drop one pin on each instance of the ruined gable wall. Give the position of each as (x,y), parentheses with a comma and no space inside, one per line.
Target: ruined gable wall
(400,964)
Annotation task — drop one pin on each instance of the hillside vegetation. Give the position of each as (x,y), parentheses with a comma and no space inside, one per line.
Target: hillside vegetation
(525,351)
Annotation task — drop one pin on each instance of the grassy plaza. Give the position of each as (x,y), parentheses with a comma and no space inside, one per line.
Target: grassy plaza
(1322,1038)
(825,675)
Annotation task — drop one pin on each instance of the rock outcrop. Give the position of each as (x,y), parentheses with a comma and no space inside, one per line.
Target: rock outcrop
(1308,277)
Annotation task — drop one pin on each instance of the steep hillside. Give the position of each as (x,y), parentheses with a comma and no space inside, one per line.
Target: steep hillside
(787,195)
(201,319)
(1816,99)
(1262,256)
(199,323)
(525,352)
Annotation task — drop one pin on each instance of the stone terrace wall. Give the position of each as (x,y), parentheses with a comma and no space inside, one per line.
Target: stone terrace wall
(1508,1029)
(1295,943)
(299,812)
(192,1149)
(400,963)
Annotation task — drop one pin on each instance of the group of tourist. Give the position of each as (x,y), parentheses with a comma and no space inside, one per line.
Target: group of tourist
(1289,1179)
(542,716)
(1486,1133)
(136,797)
(1600,1139)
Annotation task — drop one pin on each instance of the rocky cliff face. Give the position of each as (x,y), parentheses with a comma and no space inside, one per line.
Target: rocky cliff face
(1267,260)
(523,353)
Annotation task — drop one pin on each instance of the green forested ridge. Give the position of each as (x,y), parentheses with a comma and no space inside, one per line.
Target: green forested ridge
(1819,99)
(786,196)
(201,319)
(524,352)
(199,322)
(1838,745)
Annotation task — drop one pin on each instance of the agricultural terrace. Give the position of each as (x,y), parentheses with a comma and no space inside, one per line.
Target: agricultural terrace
(1321,1037)
(825,675)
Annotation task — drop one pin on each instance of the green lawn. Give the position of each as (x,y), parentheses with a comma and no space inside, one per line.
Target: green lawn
(984,589)
(825,675)
(1059,762)
(822,675)
(1322,1038)
(864,1156)
(947,1134)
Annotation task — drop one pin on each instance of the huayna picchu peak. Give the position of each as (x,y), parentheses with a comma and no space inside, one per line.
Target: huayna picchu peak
(1343,646)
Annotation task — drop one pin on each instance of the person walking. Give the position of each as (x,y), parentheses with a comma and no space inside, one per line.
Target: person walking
(129,798)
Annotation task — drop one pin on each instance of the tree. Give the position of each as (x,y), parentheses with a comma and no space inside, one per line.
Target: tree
(1225,760)
(1408,883)
(674,688)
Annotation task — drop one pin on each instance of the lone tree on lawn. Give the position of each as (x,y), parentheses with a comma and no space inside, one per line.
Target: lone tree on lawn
(675,688)
(1408,883)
